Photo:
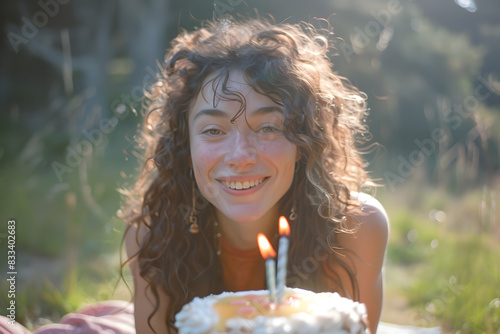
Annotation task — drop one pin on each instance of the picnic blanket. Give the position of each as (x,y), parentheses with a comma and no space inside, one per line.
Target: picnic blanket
(108,317)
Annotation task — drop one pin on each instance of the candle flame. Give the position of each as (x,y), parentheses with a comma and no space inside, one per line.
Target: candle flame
(284,227)
(266,250)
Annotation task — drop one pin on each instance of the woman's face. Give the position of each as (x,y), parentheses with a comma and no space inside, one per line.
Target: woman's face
(243,168)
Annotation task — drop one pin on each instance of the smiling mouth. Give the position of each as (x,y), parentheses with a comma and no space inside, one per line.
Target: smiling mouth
(243,185)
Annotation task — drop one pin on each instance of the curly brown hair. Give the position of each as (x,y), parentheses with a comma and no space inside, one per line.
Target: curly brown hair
(323,116)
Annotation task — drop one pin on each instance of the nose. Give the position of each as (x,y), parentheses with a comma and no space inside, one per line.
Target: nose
(242,152)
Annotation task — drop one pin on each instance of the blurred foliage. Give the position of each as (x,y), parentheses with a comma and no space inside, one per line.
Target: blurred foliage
(454,255)
(423,65)
(461,293)
(410,238)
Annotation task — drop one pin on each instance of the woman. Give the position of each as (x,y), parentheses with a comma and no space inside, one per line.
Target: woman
(248,122)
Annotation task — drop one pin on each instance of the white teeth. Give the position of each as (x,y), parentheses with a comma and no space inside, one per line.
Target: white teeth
(244,185)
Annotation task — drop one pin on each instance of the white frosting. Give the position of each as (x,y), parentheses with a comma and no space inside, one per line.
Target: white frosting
(328,313)
(199,315)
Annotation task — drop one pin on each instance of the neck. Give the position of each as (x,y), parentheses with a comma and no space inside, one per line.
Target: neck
(244,235)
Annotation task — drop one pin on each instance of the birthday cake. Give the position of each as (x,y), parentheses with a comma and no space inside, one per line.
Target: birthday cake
(246,312)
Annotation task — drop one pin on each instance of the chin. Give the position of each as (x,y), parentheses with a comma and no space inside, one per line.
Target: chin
(244,215)
(244,219)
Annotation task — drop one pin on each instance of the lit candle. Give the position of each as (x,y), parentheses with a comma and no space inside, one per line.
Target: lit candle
(282,258)
(268,253)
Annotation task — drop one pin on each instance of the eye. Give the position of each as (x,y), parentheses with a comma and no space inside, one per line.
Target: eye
(212,132)
(268,129)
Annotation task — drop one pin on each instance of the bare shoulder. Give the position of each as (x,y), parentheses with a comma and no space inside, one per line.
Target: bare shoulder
(371,230)
(368,243)
(372,220)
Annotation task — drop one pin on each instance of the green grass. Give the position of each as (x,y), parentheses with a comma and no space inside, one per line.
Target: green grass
(457,284)
(464,285)
(411,238)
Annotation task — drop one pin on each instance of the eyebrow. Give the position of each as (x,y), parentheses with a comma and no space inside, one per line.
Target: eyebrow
(219,113)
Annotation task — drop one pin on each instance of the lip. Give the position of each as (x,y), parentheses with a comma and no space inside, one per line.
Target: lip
(242,192)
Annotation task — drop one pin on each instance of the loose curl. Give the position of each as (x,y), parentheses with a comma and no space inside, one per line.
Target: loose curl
(323,116)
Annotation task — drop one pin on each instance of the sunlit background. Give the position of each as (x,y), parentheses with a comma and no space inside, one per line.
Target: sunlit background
(71,79)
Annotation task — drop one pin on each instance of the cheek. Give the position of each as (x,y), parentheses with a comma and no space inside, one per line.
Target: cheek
(284,153)
(203,159)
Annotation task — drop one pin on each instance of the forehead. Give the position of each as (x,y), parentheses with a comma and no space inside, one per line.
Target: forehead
(231,94)
(221,87)
(215,85)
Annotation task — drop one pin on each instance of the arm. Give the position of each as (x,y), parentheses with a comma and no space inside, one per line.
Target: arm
(368,244)
(143,298)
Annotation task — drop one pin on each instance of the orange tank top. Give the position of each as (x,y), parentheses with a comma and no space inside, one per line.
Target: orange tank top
(242,269)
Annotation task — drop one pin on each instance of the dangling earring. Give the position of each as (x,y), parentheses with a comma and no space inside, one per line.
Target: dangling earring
(217,236)
(193,220)
(293,212)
